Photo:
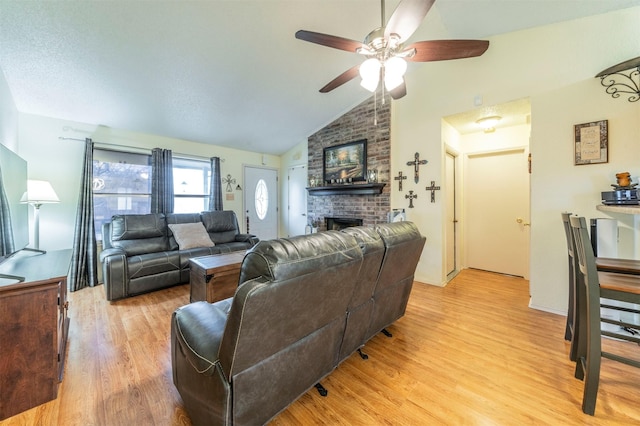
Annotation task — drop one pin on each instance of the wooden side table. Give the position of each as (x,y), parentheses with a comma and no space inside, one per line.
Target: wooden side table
(215,277)
(33,336)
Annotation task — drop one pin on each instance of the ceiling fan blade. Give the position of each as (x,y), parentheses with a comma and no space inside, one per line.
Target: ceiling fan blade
(330,41)
(407,17)
(441,50)
(346,76)
(399,91)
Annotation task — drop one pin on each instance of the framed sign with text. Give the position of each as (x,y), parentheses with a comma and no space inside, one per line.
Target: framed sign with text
(591,143)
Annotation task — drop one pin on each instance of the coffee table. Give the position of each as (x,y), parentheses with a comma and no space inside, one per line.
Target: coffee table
(215,277)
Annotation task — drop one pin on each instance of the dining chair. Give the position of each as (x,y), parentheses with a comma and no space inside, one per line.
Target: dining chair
(570,331)
(593,285)
(605,264)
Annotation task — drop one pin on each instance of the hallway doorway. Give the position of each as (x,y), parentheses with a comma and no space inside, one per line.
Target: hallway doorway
(451,226)
(492,217)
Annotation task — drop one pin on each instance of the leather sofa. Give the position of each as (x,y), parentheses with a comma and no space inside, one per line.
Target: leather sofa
(302,306)
(140,252)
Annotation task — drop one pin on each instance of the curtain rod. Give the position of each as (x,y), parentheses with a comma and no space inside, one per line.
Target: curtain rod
(199,157)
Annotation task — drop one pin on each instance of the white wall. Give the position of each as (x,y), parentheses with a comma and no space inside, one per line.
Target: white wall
(8,117)
(60,162)
(558,185)
(545,64)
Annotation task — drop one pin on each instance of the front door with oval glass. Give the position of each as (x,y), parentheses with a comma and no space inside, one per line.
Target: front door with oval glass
(261,202)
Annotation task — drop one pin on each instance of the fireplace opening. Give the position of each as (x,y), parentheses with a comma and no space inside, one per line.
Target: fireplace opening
(338,223)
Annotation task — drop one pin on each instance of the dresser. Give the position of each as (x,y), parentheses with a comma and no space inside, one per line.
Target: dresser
(33,328)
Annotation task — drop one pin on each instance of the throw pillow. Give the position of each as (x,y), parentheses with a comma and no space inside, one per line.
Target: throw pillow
(190,235)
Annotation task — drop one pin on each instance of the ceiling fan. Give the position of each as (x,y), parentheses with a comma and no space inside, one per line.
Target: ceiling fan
(385,50)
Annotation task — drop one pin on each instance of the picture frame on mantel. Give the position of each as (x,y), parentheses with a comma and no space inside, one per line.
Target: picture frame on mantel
(591,142)
(345,163)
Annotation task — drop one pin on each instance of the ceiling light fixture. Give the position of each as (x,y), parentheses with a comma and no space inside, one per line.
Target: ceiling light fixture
(488,123)
(622,78)
(370,73)
(393,68)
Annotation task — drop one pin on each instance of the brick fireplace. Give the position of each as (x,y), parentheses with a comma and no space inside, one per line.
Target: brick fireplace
(354,125)
(338,223)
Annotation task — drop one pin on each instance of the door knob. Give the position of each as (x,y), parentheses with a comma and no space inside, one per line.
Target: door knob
(521,221)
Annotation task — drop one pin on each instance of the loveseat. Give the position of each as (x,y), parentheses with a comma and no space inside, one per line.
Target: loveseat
(302,306)
(147,252)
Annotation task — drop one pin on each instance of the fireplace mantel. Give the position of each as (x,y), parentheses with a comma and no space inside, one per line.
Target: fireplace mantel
(347,189)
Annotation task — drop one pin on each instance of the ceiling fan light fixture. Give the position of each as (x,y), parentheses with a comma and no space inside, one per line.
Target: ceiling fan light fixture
(370,73)
(384,46)
(394,70)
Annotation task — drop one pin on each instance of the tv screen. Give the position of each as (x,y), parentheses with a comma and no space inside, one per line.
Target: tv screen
(14,180)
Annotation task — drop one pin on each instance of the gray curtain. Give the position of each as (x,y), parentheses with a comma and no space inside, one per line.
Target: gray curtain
(215,187)
(161,181)
(6,233)
(84,264)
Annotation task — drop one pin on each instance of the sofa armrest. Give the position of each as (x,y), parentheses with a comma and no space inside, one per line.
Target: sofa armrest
(115,273)
(247,238)
(112,251)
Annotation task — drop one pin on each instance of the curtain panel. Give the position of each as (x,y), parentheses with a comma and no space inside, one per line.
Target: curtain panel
(161,181)
(215,187)
(84,265)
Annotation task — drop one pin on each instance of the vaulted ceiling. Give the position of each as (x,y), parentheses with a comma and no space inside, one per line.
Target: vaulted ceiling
(227,73)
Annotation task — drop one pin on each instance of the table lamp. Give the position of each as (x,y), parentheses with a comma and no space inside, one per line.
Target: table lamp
(39,192)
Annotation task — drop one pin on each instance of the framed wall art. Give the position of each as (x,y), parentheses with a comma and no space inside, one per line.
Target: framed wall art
(345,163)
(591,142)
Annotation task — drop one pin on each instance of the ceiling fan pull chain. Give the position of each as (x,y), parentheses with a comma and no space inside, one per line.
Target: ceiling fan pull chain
(375,108)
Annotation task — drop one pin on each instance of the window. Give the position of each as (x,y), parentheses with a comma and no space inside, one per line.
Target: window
(121,185)
(261,199)
(191,179)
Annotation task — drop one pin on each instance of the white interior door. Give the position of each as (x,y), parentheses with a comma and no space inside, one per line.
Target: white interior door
(450,226)
(297,200)
(261,202)
(496,200)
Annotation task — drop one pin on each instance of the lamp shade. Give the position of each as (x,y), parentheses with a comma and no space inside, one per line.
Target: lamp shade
(394,69)
(39,192)
(370,73)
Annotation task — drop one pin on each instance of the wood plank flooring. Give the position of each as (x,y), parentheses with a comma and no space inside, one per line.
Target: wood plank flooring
(471,353)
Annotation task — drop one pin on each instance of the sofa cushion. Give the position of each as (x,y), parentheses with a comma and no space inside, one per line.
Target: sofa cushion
(153,264)
(222,226)
(186,255)
(175,218)
(139,233)
(190,235)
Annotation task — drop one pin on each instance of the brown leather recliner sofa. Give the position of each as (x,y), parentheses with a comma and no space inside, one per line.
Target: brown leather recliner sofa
(140,253)
(303,305)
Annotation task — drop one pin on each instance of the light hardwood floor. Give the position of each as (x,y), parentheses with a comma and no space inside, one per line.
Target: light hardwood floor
(471,353)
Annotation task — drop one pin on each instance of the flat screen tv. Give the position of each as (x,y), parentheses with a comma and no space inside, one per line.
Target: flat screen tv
(14,183)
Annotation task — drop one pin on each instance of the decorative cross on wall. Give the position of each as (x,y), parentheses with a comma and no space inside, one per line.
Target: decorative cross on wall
(416,163)
(399,178)
(433,188)
(411,196)
(229,181)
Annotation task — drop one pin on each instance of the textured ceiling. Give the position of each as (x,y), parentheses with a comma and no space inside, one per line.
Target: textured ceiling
(227,73)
